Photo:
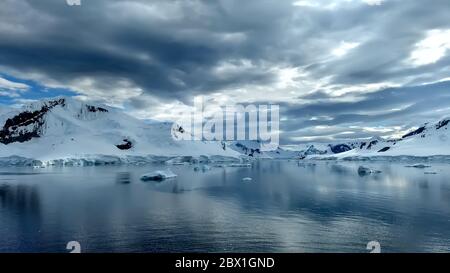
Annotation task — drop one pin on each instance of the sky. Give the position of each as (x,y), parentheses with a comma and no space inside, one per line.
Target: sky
(339,69)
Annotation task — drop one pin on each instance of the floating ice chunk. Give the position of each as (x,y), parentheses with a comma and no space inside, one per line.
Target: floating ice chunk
(240,165)
(247,179)
(158,176)
(204,168)
(366,171)
(179,163)
(418,166)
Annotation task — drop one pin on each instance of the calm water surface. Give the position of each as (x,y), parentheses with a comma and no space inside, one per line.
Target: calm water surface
(287,207)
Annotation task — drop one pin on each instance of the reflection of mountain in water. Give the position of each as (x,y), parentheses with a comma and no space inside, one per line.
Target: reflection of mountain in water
(20,199)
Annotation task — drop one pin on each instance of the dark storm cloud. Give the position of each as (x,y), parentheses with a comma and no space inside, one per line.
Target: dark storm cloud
(185,40)
(383,100)
(134,40)
(407,106)
(175,49)
(388,34)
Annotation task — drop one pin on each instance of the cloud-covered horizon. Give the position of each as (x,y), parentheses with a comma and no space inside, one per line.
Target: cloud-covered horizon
(339,69)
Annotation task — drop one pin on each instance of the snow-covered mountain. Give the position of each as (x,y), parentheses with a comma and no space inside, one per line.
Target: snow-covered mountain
(67,130)
(310,149)
(426,141)
(253,149)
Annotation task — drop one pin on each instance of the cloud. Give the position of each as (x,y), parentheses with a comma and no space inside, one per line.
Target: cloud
(431,49)
(11,89)
(391,111)
(324,58)
(344,48)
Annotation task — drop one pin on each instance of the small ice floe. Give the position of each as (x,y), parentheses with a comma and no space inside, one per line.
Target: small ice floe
(158,176)
(418,166)
(179,163)
(240,165)
(206,168)
(247,179)
(366,171)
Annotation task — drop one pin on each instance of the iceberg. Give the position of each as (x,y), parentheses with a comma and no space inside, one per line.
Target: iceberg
(366,171)
(418,166)
(158,175)
(203,168)
(240,165)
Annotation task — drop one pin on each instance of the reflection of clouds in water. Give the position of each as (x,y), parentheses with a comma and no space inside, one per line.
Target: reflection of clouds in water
(445,193)
(424,184)
(340,169)
(285,208)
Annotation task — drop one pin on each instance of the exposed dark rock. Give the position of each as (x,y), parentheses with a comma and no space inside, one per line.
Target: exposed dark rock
(418,166)
(442,123)
(17,128)
(374,142)
(126,145)
(253,151)
(341,148)
(415,132)
(313,151)
(224,146)
(385,149)
(181,130)
(248,151)
(94,109)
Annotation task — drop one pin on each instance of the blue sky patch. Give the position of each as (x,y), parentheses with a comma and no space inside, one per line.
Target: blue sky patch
(36,91)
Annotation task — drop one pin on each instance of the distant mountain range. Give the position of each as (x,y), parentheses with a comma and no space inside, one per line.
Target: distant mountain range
(428,140)
(65,131)
(431,139)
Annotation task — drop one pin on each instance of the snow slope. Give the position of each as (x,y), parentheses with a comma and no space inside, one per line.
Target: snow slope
(65,129)
(429,140)
(252,149)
